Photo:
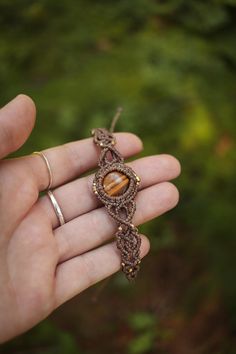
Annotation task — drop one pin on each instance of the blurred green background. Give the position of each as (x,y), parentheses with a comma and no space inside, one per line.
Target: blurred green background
(172,66)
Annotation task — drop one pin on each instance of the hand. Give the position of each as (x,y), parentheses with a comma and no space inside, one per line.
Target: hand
(43,265)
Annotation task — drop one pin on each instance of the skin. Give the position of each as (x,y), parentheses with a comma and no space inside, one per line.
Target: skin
(43,265)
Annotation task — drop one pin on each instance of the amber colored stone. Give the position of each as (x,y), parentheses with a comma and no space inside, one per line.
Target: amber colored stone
(115,183)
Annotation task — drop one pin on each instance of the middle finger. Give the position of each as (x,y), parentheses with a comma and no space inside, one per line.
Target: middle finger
(76,198)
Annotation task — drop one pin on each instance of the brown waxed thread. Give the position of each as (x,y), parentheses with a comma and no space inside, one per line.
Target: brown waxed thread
(120,207)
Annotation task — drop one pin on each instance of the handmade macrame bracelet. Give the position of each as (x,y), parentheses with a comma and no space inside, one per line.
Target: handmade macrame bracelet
(116,185)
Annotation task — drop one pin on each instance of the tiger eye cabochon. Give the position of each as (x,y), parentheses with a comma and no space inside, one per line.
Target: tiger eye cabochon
(115,183)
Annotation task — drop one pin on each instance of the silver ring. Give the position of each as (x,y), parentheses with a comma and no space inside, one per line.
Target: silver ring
(42,155)
(56,207)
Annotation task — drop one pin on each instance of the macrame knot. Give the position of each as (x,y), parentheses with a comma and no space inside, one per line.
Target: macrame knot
(116,185)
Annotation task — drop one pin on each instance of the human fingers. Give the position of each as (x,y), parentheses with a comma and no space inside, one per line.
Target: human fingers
(70,160)
(79,273)
(17,193)
(27,175)
(96,227)
(76,198)
(17,119)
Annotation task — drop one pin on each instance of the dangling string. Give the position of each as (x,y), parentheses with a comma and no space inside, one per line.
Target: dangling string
(115,119)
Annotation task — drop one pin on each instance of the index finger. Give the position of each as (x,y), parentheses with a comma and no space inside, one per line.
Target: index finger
(70,160)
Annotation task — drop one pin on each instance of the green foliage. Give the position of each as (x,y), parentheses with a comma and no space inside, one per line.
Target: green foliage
(142,320)
(172,66)
(143,343)
(44,339)
(143,324)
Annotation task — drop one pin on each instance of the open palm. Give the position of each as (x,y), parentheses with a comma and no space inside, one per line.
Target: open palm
(43,264)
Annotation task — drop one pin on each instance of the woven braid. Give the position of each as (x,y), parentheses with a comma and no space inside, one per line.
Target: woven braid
(122,209)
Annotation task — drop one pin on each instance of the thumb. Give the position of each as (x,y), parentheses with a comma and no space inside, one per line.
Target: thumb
(17,120)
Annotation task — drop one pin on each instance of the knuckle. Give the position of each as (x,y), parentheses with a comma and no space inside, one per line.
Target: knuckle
(26,189)
(89,269)
(72,155)
(7,137)
(17,181)
(65,247)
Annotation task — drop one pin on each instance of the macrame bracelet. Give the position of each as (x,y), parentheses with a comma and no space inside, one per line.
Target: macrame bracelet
(116,185)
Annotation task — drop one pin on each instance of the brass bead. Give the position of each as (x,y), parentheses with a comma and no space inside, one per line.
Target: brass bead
(130,270)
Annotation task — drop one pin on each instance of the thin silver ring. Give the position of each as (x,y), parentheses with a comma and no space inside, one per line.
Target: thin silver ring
(56,207)
(42,155)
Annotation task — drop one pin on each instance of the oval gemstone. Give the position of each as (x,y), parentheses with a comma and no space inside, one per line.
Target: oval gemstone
(115,183)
